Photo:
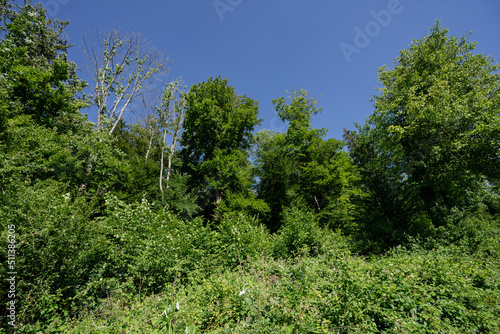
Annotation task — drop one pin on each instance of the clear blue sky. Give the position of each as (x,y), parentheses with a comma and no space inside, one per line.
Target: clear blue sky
(266,47)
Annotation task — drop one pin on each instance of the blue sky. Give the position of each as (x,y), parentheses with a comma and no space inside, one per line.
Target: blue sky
(266,47)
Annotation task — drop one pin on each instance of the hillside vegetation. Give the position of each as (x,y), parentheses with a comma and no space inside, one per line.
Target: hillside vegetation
(185,219)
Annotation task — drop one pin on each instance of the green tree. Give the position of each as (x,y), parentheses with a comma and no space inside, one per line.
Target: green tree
(433,140)
(300,168)
(44,134)
(217,136)
(140,178)
(42,126)
(42,147)
(36,78)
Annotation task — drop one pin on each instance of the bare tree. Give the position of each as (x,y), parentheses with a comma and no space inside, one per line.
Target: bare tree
(178,118)
(171,115)
(149,119)
(123,67)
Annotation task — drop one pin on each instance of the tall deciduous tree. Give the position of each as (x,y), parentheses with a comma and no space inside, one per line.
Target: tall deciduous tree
(39,110)
(217,135)
(150,149)
(123,66)
(36,78)
(300,168)
(433,139)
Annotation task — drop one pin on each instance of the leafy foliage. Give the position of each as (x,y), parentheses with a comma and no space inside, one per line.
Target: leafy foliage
(443,290)
(432,142)
(300,168)
(216,138)
(36,77)
(57,246)
(108,231)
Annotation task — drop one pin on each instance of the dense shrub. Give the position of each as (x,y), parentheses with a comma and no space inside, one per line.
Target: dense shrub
(57,247)
(151,247)
(300,232)
(242,237)
(440,291)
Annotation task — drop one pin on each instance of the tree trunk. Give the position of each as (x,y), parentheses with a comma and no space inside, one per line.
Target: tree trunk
(161,159)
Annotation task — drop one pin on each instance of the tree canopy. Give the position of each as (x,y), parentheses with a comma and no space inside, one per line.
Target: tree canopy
(431,146)
(218,132)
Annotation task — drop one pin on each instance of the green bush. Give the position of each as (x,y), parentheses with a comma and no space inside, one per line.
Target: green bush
(440,291)
(150,248)
(300,232)
(242,237)
(57,247)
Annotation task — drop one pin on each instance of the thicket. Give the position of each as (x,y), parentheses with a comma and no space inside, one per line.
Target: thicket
(190,221)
